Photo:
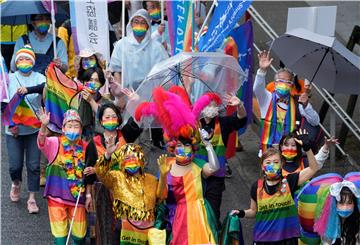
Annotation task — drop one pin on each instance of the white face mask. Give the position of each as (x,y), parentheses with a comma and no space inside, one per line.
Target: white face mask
(210,111)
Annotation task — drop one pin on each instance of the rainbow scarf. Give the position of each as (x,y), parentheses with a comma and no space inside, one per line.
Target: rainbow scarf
(273,129)
(276,217)
(19,112)
(219,148)
(61,94)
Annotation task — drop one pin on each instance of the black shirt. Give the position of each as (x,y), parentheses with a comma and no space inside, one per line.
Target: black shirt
(228,124)
(292,180)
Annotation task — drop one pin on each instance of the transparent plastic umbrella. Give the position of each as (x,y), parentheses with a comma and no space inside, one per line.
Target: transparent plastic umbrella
(198,73)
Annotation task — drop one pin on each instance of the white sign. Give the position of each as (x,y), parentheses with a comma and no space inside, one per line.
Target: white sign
(320,20)
(89,21)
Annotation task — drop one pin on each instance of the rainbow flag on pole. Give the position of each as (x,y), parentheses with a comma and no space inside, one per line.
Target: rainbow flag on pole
(61,94)
(19,112)
(4,81)
(180,22)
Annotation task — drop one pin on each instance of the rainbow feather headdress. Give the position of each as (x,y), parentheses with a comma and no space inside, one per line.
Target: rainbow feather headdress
(173,110)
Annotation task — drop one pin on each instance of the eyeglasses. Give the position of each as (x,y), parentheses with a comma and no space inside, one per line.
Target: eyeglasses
(139,22)
(284,81)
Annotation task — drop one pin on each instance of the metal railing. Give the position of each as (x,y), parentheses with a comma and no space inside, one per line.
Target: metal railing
(322,92)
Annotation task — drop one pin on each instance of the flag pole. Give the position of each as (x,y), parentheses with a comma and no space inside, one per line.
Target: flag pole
(162,19)
(53,27)
(215,3)
(122,44)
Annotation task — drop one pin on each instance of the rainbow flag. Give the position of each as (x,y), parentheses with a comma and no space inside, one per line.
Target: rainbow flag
(180,23)
(18,112)
(4,81)
(61,94)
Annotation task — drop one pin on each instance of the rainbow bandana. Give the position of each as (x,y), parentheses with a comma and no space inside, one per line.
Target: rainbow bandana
(139,30)
(155,14)
(273,128)
(289,154)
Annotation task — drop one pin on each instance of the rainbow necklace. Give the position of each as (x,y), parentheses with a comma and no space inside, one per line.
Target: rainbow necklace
(74,165)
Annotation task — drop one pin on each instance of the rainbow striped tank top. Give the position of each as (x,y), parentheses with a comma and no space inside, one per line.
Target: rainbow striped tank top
(276,217)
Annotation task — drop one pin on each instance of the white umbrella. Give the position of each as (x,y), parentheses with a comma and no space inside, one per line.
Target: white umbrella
(321,59)
(200,72)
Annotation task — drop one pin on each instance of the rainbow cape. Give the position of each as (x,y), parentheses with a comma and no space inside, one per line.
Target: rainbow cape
(18,112)
(61,94)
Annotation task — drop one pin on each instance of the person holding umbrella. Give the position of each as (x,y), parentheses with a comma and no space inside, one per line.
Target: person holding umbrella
(65,189)
(42,43)
(279,109)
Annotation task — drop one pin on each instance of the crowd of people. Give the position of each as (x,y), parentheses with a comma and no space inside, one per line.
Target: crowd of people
(94,173)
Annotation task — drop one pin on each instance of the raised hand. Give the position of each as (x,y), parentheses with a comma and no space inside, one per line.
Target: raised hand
(302,138)
(232,100)
(87,95)
(130,93)
(44,116)
(330,141)
(205,137)
(110,146)
(304,99)
(164,167)
(264,60)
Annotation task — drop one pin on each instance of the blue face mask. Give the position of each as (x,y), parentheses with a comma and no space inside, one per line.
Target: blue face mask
(71,136)
(344,213)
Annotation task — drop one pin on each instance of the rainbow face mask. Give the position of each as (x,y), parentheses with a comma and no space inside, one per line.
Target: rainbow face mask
(289,154)
(43,27)
(139,30)
(132,165)
(183,155)
(110,124)
(272,171)
(282,88)
(25,66)
(88,63)
(155,14)
(92,86)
